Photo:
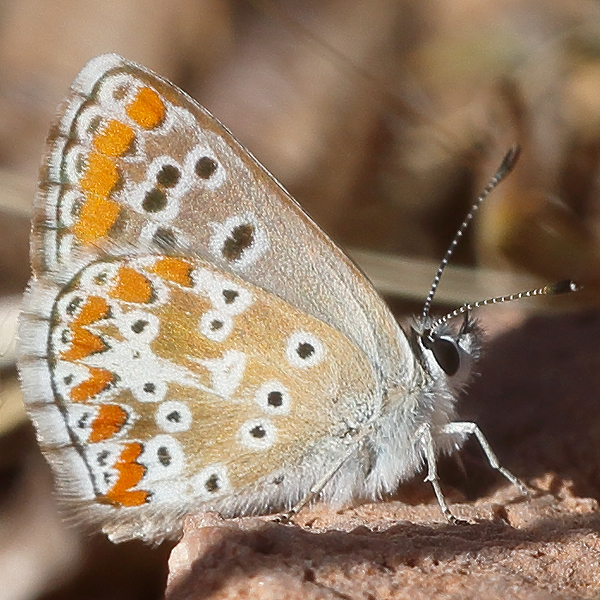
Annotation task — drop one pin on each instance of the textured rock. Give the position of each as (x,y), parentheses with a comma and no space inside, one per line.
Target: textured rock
(537,548)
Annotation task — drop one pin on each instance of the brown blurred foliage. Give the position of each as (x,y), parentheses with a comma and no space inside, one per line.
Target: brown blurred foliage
(382,117)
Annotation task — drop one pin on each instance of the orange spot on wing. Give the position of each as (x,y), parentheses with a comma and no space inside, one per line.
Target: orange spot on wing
(173,269)
(131,286)
(98,381)
(130,474)
(100,176)
(109,421)
(96,218)
(94,309)
(83,343)
(115,139)
(98,213)
(147,109)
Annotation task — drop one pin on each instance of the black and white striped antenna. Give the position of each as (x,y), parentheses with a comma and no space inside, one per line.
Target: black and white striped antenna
(562,287)
(508,163)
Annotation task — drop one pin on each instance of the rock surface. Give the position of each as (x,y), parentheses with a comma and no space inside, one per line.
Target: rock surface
(532,549)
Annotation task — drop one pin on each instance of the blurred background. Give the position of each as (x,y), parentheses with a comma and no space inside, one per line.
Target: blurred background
(384,119)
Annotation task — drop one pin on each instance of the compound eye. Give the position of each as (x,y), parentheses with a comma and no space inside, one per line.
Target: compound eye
(447,354)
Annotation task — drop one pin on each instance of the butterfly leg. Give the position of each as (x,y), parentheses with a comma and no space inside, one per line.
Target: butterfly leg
(314,491)
(461,428)
(425,438)
(465,428)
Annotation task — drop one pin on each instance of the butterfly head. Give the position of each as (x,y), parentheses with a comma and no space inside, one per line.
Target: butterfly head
(446,348)
(442,347)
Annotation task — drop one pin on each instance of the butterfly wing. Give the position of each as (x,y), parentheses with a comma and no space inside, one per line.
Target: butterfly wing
(190,337)
(133,159)
(168,385)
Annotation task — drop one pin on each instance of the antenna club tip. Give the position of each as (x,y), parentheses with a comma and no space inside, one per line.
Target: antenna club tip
(564,287)
(511,158)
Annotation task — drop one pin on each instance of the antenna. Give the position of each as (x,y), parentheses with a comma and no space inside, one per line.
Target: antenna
(562,287)
(508,164)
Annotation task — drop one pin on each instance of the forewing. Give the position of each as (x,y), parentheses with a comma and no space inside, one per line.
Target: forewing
(134,162)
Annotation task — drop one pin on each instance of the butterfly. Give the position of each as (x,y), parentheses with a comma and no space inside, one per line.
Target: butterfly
(192,341)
